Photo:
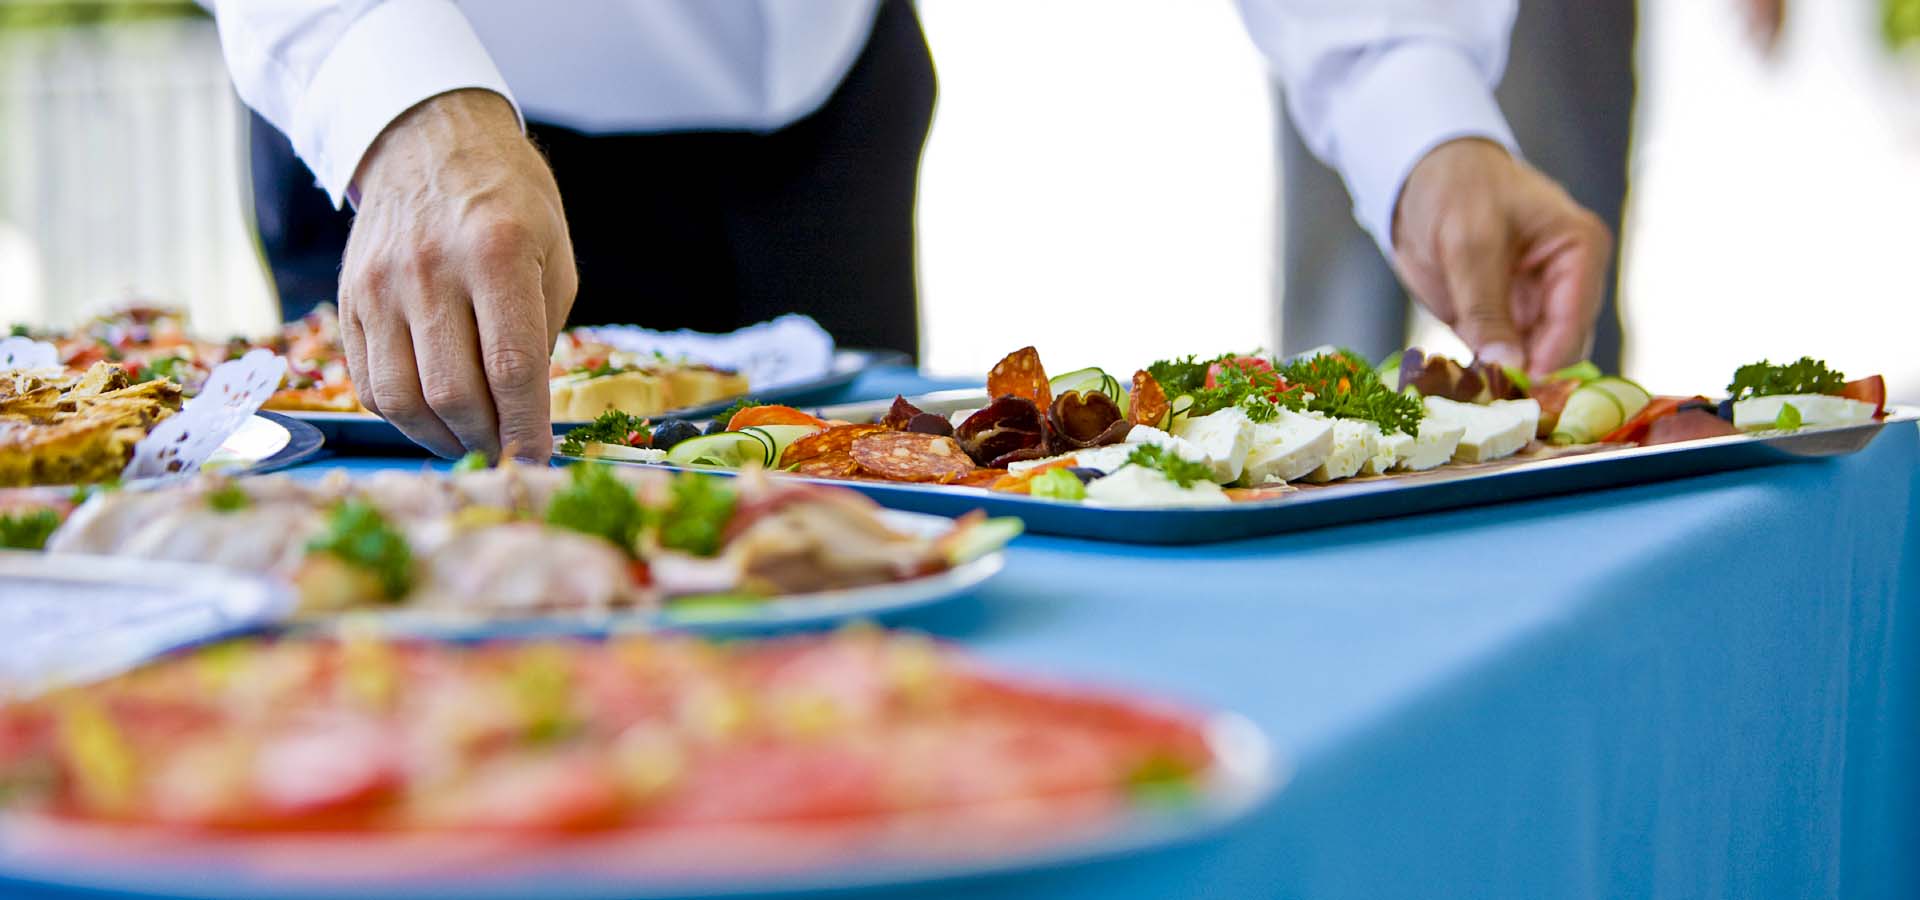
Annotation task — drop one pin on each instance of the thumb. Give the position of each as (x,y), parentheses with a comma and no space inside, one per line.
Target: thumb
(1479,273)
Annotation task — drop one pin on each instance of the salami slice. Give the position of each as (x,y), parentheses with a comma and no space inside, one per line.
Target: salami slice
(832,464)
(1020,375)
(907,456)
(1149,401)
(900,415)
(1006,425)
(1081,420)
(837,439)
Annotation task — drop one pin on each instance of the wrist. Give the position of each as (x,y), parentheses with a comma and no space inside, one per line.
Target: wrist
(1448,165)
(457,121)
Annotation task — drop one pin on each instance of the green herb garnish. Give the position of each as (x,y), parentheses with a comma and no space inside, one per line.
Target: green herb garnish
(472,462)
(1256,392)
(19,330)
(1184,375)
(358,535)
(1344,386)
(1788,419)
(600,370)
(726,415)
(1805,376)
(28,529)
(228,498)
(1179,470)
(167,367)
(610,427)
(696,518)
(1058,484)
(595,502)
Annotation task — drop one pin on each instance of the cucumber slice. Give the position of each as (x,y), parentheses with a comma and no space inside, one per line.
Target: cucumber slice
(728,450)
(1633,398)
(1083,381)
(1176,409)
(1589,414)
(778,438)
(1583,370)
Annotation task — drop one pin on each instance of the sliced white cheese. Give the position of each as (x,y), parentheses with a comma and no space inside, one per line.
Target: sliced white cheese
(1354,442)
(1431,447)
(1224,436)
(1387,451)
(1815,409)
(1287,448)
(622,451)
(1106,459)
(1491,431)
(1141,486)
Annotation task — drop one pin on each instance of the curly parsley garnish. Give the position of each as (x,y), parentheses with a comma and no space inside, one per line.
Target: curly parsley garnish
(610,427)
(1804,376)
(228,498)
(1179,470)
(1256,391)
(360,537)
(596,503)
(1184,375)
(697,516)
(19,330)
(170,368)
(600,370)
(1342,385)
(726,415)
(28,529)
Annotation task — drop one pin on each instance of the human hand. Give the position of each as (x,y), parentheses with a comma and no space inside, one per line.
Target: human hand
(457,279)
(1502,254)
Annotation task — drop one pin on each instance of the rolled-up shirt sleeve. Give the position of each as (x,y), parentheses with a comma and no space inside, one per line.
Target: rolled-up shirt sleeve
(332,75)
(1375,85)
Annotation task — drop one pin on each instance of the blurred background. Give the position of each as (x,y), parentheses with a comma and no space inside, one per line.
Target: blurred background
(1101,180)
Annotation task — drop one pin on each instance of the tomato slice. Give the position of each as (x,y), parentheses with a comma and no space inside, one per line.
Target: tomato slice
(1635,429)
(1246,364)
(1872,389)
(772,415)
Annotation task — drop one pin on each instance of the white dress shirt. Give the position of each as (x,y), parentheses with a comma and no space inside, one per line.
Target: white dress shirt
(1373,84)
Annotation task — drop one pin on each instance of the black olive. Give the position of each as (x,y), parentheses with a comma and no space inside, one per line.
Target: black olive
(1726,409)
(673,431)
(1086,474)
(717,426)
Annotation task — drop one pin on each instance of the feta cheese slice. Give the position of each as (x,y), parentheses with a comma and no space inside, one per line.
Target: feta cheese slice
(1756,413)
(1106,459)
(1224,436)
(1140,486)
(1431,446)
(1354,442)
(1387,451)
(1491,431)
(1287,448)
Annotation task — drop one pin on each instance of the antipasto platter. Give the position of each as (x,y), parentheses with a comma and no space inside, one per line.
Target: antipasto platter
(1238,446)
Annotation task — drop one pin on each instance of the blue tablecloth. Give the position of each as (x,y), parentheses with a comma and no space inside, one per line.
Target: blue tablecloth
(1703,688)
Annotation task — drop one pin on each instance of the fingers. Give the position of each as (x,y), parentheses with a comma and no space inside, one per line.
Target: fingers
(452,381)
(1476,256)
(393,381)
(1572,271)
(511,310)
(354,343)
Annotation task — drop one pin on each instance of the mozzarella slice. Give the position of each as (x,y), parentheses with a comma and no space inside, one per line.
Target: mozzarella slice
(1287,448)
(1491,431)
(1224,436)
(1141,486)
(1430,448)
(1354,442)
(1756,413)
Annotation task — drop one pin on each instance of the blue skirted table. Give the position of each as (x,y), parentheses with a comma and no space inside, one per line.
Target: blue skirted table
(1702,688)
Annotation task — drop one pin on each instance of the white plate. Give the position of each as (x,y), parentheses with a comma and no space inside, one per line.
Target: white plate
(780,613)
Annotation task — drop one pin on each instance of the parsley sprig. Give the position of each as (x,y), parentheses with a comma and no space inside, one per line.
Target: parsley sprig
(1803,376)
(726,415)
(1256,392)
(595,502)
(610,427)
(1344,386)
(358,535)
(1179,470)
(696,517)
(28,529)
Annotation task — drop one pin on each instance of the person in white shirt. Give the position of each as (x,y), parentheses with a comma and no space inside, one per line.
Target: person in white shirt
(460,270)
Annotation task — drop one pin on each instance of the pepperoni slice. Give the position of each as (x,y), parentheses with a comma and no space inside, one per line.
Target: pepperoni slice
(1020,375)
(1148,401)
(838,439)
(900,415)
(909,456)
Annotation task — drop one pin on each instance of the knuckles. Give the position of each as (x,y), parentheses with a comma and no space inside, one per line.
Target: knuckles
(512,368)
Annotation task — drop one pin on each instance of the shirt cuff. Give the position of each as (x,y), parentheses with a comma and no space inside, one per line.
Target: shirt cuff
(1395,108)
(396,55)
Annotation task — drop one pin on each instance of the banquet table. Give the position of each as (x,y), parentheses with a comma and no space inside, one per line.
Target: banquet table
(1697,688)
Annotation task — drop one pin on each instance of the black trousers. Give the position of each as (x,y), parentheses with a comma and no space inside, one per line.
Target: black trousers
(705,230)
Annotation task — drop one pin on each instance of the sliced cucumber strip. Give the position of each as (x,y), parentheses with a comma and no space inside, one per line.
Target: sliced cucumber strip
(778,438)
(728,450)
(1083,380)
(1583,370)
(1633,398)
(1589,414)
(1177,408)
